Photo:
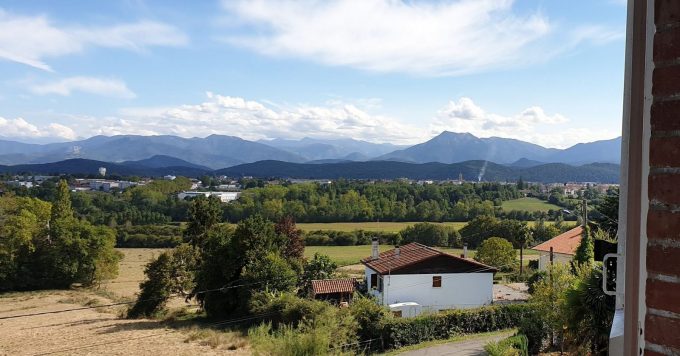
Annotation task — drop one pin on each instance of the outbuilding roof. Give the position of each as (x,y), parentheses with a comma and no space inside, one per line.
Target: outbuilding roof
(327,286)
(565,243)
(415,253)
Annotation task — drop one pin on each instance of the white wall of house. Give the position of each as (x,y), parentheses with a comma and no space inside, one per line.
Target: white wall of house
(544,259)
(458,290)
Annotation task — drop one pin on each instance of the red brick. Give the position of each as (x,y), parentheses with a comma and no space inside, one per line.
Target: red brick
(665,188)
(663,295)
(663,225)
(666,115)
(663,260)
(662,331)
(666,11)
(666,81)
(664,152)
(666,45)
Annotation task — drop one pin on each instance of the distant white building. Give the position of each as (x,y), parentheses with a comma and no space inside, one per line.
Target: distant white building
(169,177)
(431,279)
(224,197)
(19,183)
(227,187)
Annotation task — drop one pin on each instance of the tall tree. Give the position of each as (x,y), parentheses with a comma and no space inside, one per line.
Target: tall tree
(61,208)
(294,245)
(204,214)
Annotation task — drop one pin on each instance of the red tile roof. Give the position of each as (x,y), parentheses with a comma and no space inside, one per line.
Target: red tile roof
(411,254)
(566,243)
(326,286)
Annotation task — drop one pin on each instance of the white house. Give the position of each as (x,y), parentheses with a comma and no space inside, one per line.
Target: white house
(563,248)
(434,280)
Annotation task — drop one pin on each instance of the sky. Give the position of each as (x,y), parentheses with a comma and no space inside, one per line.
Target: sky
(398,71)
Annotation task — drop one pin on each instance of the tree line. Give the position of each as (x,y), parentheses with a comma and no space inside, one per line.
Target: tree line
(44,245)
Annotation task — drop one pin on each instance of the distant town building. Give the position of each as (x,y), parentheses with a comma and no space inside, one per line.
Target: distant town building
(19,183)
(169,177)
(224,197)
(102,171)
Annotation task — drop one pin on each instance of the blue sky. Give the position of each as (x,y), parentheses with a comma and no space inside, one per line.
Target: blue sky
(549,72)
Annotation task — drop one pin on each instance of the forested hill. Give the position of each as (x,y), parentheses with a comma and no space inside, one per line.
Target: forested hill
(471,171)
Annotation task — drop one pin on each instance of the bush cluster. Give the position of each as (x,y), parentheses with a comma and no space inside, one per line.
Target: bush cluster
(349,238)
(148,236)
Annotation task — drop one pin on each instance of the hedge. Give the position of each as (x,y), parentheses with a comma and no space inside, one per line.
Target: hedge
(399,332)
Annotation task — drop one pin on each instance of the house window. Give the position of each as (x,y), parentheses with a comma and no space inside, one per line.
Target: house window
(380,284)
(374,280)
(436,281)
(397,313)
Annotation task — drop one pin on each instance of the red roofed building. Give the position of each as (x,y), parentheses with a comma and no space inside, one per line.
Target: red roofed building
(431,278)
(338,290)
(563,247)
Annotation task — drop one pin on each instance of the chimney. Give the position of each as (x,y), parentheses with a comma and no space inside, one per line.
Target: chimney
(374,248)
(465,251)
(396,251)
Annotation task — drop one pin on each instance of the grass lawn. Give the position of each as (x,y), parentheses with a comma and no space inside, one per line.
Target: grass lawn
(368,226)
(528,204)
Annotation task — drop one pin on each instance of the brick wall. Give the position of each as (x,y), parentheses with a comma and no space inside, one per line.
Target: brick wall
(662,324)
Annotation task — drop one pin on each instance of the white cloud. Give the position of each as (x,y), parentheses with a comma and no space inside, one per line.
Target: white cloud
(450,37)
(31,39)
(532,124)
(253,120)
(99,86)
(256,120)
(20,128)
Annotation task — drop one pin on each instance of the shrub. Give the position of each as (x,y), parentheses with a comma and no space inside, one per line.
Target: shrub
(300,326)
(512,346)
(370,316)
(590,312)
(534,279)
(536,329)
(402,332)
(317,239)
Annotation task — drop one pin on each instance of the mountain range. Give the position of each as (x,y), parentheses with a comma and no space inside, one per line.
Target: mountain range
(219,151)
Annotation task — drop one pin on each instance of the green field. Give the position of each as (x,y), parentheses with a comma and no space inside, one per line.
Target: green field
(368,226)
(528,204)
(379,226)
(349,255)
